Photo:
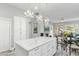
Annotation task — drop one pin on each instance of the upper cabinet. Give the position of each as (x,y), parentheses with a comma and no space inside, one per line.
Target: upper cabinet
(21,28)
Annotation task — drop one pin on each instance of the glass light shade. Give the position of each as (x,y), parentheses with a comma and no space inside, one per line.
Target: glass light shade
(28,13)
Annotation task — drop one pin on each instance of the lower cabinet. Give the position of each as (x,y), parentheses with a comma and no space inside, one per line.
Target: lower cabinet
(44,50)
(47,49)
(50,49)
(35,52)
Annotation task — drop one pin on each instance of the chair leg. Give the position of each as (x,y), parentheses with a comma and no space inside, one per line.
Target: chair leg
(78,52)
(70,50)
(66,47)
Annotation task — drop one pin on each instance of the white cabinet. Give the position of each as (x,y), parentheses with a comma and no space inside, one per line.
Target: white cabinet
(5,34)
(36,51)
(17,28)
(43,47)
(21,28)
(50,48)
(44,50)
(47,49)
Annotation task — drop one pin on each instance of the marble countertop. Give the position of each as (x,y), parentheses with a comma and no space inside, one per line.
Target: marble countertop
(30,44)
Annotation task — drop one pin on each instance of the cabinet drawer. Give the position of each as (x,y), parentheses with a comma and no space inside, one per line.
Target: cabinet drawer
(44,50)
(50,52)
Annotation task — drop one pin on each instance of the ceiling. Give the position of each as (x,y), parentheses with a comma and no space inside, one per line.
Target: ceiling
(54,11)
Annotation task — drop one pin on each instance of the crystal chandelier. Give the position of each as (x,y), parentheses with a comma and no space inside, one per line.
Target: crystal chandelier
(29,13)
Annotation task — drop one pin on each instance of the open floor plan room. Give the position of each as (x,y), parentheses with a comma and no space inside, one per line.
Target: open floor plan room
(39,29)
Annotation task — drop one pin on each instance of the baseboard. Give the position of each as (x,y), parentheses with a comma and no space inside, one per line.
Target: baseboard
(7,50)
(3,51)
(12,49)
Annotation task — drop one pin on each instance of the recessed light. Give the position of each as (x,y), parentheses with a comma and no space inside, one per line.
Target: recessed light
(35,7)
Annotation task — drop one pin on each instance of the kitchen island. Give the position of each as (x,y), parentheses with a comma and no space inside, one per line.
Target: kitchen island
(39,46)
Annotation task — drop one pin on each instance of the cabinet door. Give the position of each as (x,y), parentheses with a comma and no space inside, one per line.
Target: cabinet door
(17,28)
(44,49)
(54,45)
(4,35)
(28,28)
(50,48)
(23,28)
(35,52)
